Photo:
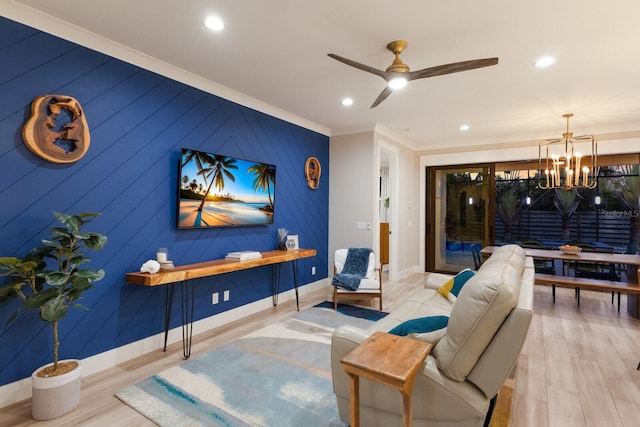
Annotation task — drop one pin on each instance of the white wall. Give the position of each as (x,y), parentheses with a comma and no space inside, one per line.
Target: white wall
(352,192)
(405,213)
(353,196)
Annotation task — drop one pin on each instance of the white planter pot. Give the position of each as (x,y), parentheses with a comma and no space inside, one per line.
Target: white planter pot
(55,396)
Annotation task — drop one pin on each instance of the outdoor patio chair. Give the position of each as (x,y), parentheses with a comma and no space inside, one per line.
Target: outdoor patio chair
(544,266)
(477,258)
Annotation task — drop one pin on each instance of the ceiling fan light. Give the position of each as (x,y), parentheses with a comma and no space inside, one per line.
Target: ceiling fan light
(397,83)
(347,101)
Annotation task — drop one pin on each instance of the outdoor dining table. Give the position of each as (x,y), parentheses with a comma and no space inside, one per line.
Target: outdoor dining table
(632,263)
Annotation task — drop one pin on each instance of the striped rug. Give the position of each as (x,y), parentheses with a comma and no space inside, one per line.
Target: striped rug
(277,376)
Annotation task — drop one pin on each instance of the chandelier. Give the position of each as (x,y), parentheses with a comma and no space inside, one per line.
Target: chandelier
(561,166)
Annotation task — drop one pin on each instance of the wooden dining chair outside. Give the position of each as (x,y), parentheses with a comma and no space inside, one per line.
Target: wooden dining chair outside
(544,266)
(595,270)
(475,252)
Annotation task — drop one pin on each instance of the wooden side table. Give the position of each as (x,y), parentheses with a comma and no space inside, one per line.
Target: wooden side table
(390,360)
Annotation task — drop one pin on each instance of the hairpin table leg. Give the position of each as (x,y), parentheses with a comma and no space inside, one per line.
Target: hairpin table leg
(275,283)
(168,304)
(187,288)
(294,264)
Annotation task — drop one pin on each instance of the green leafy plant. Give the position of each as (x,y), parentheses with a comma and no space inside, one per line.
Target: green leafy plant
(629,193)
(566,202)
(50,278)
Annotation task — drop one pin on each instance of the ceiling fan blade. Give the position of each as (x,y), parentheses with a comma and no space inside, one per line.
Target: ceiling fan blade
(383,95)
(359,65)
(455,67)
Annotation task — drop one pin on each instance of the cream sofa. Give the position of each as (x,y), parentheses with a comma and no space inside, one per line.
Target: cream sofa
(487,327)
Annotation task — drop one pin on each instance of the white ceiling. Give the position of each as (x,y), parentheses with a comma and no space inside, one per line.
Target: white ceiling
(275,52)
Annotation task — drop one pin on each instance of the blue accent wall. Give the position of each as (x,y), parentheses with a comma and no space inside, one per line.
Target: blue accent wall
(138,121)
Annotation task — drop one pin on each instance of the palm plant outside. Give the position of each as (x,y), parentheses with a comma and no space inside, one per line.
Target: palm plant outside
(508,210)
(508,207)
(629,194)
(566,202)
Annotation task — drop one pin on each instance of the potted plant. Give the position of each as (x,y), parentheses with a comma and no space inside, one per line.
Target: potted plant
(51,280)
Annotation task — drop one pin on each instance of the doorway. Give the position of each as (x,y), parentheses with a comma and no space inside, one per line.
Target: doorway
(458,211)
(387,208)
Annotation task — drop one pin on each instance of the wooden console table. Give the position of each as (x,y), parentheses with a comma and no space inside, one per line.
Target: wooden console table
(390,360)
(186,274)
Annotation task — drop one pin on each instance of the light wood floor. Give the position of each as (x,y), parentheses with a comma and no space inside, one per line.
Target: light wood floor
(578,367)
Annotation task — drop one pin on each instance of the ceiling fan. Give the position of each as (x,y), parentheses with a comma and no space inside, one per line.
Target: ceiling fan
(397,74)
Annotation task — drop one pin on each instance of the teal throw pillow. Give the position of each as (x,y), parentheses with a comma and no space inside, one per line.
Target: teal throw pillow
(430,329)
(451,289)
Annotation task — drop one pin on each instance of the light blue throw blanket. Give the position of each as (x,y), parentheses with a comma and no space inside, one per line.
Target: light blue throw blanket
(355,268)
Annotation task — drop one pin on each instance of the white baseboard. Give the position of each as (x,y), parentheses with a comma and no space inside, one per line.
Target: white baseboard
(405,273)
(20,390)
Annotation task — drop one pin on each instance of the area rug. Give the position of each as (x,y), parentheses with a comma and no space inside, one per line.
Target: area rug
(279,375)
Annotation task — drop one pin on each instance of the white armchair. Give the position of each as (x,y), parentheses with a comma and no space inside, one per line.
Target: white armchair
(370,285)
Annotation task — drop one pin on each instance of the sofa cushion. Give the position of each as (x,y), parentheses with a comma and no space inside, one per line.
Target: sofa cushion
(481,307)
(453,286)
(423,303)
(430,329)
(366,285)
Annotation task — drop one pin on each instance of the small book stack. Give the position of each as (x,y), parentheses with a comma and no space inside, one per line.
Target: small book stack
(243,256)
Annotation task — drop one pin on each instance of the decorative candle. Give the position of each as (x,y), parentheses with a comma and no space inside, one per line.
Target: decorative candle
(570,177)
(578,157)
(546,172)
(585,176)
(161,255)
(557,168)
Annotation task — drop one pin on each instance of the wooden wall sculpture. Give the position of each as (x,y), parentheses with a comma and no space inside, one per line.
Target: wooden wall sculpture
(312,171)
(57,130)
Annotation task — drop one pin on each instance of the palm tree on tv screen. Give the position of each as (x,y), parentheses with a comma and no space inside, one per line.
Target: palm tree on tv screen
(221,165)
(200,159)
(265,177)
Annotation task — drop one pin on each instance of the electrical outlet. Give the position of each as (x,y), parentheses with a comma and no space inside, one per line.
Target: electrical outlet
(214,298)
(313,271)
(226,295)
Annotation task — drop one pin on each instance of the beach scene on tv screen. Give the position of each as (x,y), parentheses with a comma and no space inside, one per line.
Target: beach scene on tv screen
(219,191)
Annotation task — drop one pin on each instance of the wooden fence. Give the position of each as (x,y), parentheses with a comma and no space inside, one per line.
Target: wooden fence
(610,227)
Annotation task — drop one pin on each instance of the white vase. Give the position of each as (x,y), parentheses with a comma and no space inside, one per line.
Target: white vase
(53,397)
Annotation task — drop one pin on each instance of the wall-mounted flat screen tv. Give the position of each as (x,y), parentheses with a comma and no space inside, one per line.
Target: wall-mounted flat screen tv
(221,191)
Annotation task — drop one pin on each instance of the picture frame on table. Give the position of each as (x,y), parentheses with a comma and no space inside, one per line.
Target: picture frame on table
(292,242)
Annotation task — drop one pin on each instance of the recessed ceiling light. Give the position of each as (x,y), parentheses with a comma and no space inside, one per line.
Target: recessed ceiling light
(545,61)
(347,101)
(464,127)
(214,23)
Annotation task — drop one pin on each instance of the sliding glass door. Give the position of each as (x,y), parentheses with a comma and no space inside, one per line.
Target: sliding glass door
(459,206)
